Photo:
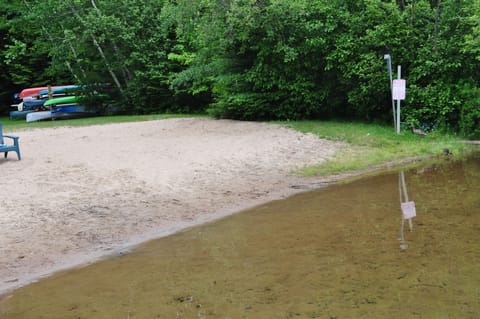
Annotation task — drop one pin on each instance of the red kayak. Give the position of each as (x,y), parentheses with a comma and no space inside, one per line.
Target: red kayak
(34,91)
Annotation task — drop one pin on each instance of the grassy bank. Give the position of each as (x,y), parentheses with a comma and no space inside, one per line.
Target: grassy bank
(371,146)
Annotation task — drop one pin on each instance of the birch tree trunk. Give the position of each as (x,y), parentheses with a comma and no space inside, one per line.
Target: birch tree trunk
(99,49)
(75,55)
(437,21)
(127,75)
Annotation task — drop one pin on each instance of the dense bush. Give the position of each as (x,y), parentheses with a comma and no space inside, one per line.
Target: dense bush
(434,106)
(470,112)
(283,59)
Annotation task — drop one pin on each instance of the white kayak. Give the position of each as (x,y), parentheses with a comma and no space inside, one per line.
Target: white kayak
(38,116)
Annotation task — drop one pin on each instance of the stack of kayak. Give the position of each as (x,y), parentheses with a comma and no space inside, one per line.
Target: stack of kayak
(61,108)
(56,102)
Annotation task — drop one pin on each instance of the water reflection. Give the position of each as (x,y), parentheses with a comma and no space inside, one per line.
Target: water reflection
(407,207)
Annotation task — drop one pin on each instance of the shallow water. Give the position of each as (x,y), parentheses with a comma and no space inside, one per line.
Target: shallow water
(330,253)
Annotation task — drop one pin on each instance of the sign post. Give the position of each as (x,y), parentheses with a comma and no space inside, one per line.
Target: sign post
(388,58)
(398,93)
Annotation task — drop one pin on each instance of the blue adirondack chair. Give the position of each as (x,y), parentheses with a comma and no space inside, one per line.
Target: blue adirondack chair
(5,148)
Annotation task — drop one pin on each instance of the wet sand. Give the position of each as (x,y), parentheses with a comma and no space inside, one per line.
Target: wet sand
(82,193)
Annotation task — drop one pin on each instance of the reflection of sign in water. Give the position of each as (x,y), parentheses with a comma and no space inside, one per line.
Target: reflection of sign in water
(408,210)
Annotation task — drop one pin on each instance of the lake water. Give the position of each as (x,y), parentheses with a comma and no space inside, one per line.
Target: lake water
(338,252)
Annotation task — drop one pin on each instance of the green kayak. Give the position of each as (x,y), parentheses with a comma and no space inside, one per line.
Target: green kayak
(62,100)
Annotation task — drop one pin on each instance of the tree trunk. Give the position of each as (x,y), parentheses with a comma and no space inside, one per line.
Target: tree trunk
(412,12)
(437,21)
(75,55)
(127,75)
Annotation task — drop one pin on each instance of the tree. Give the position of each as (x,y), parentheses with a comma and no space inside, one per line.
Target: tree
(439,69)
(23,56)
(257,59)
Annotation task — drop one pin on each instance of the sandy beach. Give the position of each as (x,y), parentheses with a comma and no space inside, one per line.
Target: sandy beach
(82,193)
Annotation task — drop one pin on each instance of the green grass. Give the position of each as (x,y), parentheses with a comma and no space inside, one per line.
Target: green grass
(10,125)
(370,146)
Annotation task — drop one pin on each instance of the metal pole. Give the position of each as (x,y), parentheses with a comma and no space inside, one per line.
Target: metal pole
(389,68)
(399,71)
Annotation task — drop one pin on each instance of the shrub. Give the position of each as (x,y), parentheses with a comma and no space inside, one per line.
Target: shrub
(470,112)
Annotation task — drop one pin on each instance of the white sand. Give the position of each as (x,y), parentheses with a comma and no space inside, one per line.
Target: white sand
(80,193)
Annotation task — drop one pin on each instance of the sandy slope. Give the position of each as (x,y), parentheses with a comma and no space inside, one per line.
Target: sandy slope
(82,193)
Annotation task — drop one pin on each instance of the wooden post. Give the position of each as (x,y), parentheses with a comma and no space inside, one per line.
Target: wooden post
(50,93)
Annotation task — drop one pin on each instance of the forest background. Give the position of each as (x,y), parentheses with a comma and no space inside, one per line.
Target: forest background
(253,59)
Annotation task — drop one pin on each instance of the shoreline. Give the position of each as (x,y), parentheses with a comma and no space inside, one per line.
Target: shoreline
(309,184)
(84,259)
(106,204)
(81,194)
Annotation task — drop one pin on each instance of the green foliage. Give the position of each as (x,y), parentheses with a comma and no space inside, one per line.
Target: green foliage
(472,39)
(21,64)
(272,66)
(255,60)
(435,69)
(470,112)
(242,106)
(128,43)
(357,56)
(318,59)
(434,106)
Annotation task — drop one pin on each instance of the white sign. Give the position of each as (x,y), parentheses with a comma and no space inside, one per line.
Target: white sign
(398,89)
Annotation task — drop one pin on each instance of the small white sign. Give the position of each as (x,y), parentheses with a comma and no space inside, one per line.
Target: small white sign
(408,210)
(399,89)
